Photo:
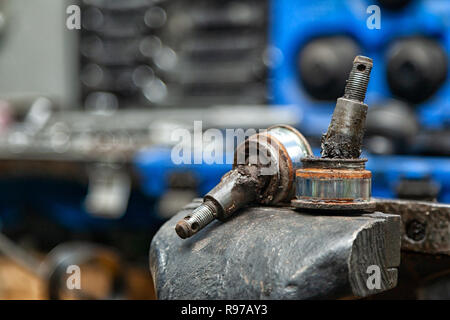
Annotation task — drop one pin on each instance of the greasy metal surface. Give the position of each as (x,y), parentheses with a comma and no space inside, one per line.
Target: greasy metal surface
(345,133)
(344,137)
(425,227)
(276,253)
(237,188)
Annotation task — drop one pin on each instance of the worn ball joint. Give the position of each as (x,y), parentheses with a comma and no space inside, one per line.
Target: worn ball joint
(338,179)
(263,172)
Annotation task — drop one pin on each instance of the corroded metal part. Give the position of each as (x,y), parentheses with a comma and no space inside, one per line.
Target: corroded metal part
(426,225)
(335,174)
(345,133)
(263,172)
(333,184)
(236,189)
(338,179)
(284,148)
(336,185)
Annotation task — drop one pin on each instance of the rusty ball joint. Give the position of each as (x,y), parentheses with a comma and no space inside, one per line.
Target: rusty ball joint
(263,172)
(338,179)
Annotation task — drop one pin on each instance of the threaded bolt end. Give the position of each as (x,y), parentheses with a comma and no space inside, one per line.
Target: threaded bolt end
(197,220)
(204,214)
(358,79)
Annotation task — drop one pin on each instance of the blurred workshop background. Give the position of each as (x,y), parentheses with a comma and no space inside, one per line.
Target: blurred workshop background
(86,116)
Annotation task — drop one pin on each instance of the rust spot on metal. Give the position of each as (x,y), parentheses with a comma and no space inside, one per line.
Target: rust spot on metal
(317,173)
(278,186)
(284,166)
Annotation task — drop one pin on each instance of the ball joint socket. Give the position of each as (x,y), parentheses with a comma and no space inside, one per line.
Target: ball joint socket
(265,176)
(338,179)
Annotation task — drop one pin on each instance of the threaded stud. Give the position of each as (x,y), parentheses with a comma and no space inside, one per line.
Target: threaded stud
(197,220)
(359,79)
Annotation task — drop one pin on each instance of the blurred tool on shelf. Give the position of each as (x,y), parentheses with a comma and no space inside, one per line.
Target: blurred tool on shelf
(170,53)
(102,273)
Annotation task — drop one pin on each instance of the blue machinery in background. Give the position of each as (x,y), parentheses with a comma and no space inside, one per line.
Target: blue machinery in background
(296,23)
(155,167)
(293,24)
